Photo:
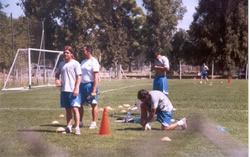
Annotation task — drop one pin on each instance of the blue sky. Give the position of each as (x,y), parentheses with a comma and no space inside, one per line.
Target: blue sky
(184,24)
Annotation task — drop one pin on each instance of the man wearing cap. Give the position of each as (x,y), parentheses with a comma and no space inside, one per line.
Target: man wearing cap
(160,66)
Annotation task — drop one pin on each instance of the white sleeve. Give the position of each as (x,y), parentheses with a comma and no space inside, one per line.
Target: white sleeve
(78,68)
(166,63)
(95,66)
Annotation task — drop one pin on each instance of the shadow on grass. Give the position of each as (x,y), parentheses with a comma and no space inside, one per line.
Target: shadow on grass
(54,125)
(136,129)
(37,130)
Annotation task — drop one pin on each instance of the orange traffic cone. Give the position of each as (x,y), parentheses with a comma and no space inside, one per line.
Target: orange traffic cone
(104,129)
(229,79)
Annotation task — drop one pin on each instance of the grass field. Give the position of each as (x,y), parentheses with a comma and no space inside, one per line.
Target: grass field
(26,116)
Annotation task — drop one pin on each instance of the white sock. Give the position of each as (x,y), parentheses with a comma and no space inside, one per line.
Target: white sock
(77,128)
(180,123)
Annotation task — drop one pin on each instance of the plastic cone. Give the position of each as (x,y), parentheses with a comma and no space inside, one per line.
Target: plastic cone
(104,129)
(229,79)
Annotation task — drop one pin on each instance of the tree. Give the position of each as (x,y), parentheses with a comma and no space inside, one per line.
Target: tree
(219,30)
(179,43)
(162,19)
(5,39)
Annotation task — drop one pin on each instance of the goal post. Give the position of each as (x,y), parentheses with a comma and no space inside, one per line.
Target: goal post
(32,68)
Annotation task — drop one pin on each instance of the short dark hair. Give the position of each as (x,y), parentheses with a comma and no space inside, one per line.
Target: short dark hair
(154,55)
(89,48)
(142,94)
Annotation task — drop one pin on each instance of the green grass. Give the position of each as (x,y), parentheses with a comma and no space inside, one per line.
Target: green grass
(27,115)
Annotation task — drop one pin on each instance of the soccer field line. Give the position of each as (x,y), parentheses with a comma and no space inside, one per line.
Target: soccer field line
(36,109)
(111,90)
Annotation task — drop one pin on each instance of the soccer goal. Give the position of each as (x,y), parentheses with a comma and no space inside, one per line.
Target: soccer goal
(32,68)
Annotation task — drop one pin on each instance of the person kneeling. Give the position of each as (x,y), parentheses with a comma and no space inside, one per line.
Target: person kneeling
(156,102)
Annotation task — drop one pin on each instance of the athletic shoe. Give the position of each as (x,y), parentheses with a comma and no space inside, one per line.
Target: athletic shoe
(67,130)
(77,131)
(184,126)
(147,127)
(92,125)
(80,125)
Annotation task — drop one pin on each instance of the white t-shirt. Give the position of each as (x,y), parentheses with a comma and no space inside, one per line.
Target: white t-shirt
(89,66)
(68,72)
(160,101)
(163,61)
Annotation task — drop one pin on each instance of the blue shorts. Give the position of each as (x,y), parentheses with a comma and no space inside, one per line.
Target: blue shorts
(69,101)
(85,91)
(161,84)
(203,74)
(164,117)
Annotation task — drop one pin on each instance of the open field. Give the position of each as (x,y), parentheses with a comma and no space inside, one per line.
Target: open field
(26,116)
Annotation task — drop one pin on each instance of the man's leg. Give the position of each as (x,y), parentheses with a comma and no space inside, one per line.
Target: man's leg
(81,112)
(94,116)
(76,116)
(94,112)
(69,116)
(182,123)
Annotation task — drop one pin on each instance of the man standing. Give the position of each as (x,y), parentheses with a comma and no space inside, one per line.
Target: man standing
(155,102)
(204,70)
(70,72)
(89,84)
(161,66)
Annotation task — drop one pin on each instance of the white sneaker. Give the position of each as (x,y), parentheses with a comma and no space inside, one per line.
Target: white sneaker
(147,127)
(80,125)
(77,131)
(67,130)
(92,125)
(200,82)
(184,126)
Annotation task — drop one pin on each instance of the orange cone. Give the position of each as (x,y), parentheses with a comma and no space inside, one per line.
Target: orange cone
(229,79)
(104,129)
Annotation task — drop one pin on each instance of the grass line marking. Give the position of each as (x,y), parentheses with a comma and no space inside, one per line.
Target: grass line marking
(111,90)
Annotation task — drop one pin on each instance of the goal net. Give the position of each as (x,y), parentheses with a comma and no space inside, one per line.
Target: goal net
(32,68)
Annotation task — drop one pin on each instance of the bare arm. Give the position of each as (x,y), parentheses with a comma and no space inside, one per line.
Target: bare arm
(58,82)
(150,117)
(93,93)
(160,68)
(78,81)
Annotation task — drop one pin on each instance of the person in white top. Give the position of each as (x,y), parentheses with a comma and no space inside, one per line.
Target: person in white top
(204,70)
(70,72)
(156,102)
(89,85)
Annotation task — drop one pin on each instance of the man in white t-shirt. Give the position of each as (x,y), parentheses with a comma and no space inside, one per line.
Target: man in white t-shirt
(89,84)
(70,72)
(156,102)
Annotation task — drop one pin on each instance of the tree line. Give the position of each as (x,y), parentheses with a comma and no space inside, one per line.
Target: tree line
(121,33)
